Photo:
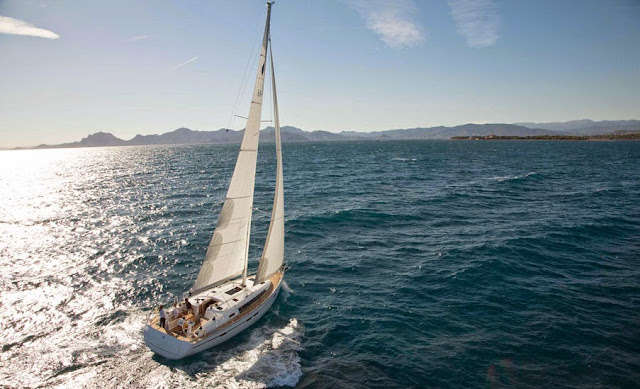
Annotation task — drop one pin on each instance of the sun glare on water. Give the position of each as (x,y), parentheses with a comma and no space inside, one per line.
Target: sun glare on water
(88,246)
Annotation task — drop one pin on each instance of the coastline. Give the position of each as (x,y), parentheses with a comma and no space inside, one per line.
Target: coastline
(597,138)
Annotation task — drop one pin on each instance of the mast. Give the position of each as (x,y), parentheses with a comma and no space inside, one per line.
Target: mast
(228,251)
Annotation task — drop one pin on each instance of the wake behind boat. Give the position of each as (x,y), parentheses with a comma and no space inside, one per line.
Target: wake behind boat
(225,300)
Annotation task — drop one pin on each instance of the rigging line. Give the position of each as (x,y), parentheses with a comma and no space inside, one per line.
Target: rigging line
(254,63)
(267,84)
(242,88)
(273,104)
(247,84)
(245,77)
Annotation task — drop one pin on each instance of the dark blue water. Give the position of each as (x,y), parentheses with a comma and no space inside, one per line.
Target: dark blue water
(412,264)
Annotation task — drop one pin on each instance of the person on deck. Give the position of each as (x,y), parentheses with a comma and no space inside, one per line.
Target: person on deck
(163,316)
(188,305)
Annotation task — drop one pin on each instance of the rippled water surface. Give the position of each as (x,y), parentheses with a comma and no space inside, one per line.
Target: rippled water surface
(412,264)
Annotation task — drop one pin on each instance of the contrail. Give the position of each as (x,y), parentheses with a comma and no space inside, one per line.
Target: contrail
(184,63)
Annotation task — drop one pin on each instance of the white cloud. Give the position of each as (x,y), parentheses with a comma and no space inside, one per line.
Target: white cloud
(476,20)
(184,63)
(391,20)
(20,27)
(139,37)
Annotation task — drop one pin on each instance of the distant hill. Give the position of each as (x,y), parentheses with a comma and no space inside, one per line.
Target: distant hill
(621,135)
(448,132)
(293,134)
(587,127)
(188,136)
(99,139)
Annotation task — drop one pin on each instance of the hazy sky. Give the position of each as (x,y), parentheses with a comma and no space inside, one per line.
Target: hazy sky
(70,68)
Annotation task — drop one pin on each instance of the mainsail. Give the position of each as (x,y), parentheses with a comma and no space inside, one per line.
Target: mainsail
(273,253)
(228,250)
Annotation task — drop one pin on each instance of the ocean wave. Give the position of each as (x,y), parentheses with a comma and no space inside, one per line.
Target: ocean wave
(399,159)
(513,177)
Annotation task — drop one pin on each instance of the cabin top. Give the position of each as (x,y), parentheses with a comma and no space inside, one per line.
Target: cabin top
(220,299)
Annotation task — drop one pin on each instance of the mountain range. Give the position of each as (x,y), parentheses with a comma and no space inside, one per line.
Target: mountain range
(293,134)
(586,127)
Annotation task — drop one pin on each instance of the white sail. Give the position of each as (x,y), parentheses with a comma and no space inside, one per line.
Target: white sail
(273,254)
(228,250)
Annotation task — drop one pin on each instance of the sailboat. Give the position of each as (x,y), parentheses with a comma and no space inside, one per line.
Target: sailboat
(225,300)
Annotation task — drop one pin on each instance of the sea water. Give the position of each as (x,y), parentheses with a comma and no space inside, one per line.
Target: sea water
(411,264)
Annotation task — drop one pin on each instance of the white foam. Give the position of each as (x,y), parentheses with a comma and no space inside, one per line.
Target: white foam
(268,358)
(286,287)
(515,177)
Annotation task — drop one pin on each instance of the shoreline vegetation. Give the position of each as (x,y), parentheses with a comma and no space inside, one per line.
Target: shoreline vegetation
(605,137)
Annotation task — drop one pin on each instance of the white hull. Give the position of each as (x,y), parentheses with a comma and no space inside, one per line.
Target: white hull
(173,348)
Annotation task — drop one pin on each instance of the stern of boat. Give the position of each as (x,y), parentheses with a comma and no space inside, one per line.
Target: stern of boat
(165,345)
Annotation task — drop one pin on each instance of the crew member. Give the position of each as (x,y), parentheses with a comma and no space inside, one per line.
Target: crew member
(188,305)
(163,316)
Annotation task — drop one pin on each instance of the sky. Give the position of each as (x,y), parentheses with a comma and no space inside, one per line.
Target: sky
(72,68)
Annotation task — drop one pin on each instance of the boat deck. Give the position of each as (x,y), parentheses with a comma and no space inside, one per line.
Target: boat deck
(224,298)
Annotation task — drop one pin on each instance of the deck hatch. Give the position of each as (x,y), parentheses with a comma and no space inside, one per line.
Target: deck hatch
(233,291)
